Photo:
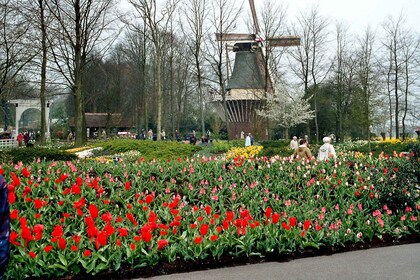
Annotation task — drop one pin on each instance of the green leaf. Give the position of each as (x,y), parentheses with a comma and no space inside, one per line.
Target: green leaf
(62,259)
(91,266)
(310,244)
(101,267)
(144,252)
(57,265)
(102,258)
(117,265)
(84,263)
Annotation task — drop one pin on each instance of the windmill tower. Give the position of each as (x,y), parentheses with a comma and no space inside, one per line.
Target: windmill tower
(250,82)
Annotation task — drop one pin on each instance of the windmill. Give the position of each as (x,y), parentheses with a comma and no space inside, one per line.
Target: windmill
(250,82)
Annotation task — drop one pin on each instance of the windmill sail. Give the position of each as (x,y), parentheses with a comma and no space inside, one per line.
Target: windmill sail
(250,81)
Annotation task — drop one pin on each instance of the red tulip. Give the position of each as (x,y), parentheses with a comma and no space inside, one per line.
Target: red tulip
(13,236)
(149,199)
(93,210)
(198,239)
(48,248)
(162,243)
(62,243)
(79,181)
(292,221)
(203,229)
(207,209)
(87,253)
(14,214)
(306,224)
(123,232)
(26,173)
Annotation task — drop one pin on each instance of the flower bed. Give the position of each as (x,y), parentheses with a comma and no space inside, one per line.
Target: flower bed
(90,217)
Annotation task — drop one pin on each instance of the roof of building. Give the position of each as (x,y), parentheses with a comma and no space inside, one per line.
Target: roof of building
(100,120)
(246,73)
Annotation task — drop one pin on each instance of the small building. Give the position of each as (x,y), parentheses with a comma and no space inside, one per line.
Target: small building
(97,122)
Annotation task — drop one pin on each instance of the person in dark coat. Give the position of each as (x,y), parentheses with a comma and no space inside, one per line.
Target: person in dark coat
(26,138)
(4,226)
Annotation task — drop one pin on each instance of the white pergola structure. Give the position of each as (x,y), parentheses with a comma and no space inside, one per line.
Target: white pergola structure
(24,104)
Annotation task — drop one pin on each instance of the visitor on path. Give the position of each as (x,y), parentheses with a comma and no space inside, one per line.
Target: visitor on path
(70,136)
(242,135)
(150,134)
(294,143)
(26,138)
(302,151)
(163,134)
(326,151)
(19,138)
(4,226)
(248,140)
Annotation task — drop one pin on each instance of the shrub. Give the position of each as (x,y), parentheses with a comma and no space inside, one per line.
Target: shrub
(272,148)
(220,147)
(27,155)
(386,147)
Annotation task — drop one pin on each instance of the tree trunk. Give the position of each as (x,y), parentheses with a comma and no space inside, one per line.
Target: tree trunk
(159,93)
(43,74)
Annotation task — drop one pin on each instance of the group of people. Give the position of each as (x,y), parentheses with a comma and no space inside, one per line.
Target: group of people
(301,149)
(25,138)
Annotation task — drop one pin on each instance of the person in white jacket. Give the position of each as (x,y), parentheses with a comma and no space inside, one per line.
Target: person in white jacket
(326,151)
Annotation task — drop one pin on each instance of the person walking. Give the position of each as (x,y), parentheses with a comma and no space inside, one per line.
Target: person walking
(20,139)
(302,151)
(248,140)
(4,227)
(150,134)
(294,143)
(326,151)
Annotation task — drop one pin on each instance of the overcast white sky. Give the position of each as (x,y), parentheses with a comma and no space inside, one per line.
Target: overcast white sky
(360,13)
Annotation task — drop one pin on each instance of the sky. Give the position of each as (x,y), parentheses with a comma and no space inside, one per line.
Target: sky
(361,13)
(358,14)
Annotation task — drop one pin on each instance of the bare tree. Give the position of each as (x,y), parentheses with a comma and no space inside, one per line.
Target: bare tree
(392,43)
(224,18)
(411,74)
(196,13)
(157,22)
(273,24)
(16,51)
(42,93)
(136,49)
(79,27)
(311,66)
(342,66)
(36,14)
(367,79)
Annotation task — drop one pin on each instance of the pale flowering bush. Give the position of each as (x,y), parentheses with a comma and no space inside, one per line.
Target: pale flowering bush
(131,156)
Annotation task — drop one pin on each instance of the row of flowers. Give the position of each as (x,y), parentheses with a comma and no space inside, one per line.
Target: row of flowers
(69,217)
